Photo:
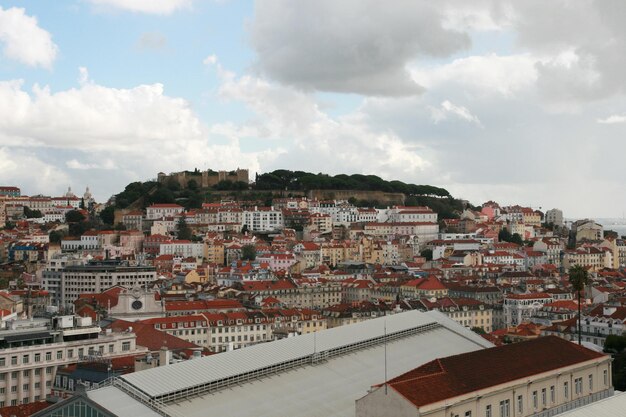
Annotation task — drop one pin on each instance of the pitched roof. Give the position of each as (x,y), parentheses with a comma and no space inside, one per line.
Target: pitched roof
(151,338)
(461,374)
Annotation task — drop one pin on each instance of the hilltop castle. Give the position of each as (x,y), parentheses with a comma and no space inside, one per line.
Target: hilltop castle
(206,178)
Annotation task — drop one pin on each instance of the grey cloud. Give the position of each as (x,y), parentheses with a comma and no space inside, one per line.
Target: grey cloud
(358,46)
(586,40)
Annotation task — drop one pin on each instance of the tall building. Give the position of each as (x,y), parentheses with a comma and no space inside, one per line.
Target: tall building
(94,277)
(554,216)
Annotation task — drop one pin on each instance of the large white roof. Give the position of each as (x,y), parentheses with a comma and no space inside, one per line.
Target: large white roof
(328,387)
(164,380)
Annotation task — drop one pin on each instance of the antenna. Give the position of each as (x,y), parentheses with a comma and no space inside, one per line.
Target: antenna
(385,338)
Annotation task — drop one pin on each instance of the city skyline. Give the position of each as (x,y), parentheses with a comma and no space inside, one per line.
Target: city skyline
(490,101)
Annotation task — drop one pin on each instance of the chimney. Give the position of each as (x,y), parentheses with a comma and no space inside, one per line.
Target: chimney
(165,356)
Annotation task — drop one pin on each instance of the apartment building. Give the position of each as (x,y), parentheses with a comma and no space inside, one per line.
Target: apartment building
(32,350)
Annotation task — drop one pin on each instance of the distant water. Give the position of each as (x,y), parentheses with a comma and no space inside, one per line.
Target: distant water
(616,224)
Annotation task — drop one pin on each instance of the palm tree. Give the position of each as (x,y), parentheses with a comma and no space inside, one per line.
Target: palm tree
(579,279)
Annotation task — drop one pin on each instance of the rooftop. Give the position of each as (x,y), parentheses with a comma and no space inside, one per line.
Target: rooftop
(456,375)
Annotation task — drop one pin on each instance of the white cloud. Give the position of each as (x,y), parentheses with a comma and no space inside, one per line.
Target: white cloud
(160,7)
(359,46)
(134,133)
(210,60)
(27,170)
(616,118)
(505,75)
(24,41)
(317,141)
(447,109)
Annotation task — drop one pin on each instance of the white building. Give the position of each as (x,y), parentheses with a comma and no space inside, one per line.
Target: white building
(95,277)
(263,219)
(33,351)
(519,308)
(554,216)
(184,248)
(158,211)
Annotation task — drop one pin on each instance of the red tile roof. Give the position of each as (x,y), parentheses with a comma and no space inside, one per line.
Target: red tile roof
(453,376)
(152,338)
(24,410)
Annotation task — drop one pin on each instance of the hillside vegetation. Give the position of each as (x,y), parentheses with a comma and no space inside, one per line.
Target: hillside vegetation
(283,183)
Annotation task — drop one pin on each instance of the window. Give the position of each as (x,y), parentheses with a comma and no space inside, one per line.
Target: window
(488,411)
(505,408)
(14,375)
(110,348)
(520,404)
(566,390)
(543,396)
(37,357)
(468,414)
(25,359)
(25,387)
(125,346)
(70,353)
(49,370)
(13,360)
(2,362)
(552,395)
(48,356)
(13,388)
(606,377)
(38,371)
(59,354)
(535,402)
(578,386)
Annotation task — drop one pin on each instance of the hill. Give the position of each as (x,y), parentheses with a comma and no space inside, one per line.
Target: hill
(371,190)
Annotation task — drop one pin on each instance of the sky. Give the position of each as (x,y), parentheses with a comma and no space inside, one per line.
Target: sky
(517,102)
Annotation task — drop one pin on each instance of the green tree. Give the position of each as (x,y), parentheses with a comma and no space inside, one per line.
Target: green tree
(107,215)
(120,227)
(517,239)
(82,204)
(478,330)
(248,253)
(615,343)
(192,185)
(32,214)
(56,236)
(427,253)
(183,229)
(579,278)
(74,216)
(504,235)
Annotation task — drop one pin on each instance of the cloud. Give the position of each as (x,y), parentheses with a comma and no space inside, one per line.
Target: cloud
(108,164)
(447,109)
(313,139)
(159,7)
(482,74)
(24,41)
(133,133)
(355,46)
(616,118)
(587,42)
(27,170)
(152,41)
